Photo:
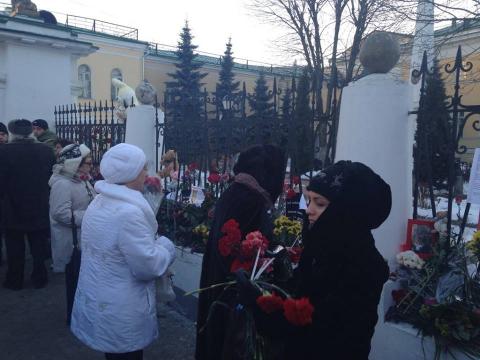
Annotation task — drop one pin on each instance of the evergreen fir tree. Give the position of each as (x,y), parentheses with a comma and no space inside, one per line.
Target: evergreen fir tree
(432,135)
(286,125)
(287,105)
(261,100)
(262,112)
(302,140)
(227,86)
(185,100)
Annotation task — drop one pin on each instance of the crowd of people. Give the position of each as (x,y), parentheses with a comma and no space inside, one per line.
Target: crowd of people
(104,238)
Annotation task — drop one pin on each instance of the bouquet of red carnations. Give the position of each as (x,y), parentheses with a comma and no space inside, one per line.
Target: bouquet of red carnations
(152,192)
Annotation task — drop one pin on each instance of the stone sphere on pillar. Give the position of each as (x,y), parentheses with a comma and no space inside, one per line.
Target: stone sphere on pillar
(145,93)
(380,53)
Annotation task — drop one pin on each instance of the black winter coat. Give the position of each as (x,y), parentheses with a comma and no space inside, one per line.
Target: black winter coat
(25,168)
(342,273)
(249,209)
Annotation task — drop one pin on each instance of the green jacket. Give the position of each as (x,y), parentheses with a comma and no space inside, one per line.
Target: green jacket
(49,138)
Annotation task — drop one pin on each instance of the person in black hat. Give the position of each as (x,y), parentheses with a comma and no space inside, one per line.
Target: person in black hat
(24,192)
(340,270)
(43,134)
(259,175)
(3,134)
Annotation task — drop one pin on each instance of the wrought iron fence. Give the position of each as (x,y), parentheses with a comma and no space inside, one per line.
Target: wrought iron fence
(456,126)
(210,139)
(96,125)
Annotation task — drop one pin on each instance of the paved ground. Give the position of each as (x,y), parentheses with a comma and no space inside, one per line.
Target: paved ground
(32,327)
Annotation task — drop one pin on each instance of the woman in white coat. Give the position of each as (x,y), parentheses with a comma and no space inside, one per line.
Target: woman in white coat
(70,195)
(115,306)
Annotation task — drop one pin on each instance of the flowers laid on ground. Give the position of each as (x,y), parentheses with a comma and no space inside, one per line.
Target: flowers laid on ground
(202,231)
(286,230)
(287,233)
(177,220)
(474,244)
(441,295)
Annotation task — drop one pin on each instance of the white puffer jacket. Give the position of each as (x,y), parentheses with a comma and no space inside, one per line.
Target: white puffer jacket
(114,309)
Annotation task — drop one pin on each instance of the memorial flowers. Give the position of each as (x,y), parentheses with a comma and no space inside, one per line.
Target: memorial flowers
(152,191)
(440,296)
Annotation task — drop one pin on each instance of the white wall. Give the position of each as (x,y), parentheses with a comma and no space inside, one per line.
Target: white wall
(38,78)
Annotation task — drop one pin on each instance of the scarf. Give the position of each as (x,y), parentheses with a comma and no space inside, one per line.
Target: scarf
(252,183)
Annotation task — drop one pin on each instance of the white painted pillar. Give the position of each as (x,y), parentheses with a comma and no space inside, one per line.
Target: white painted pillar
(140,131)
(373,130)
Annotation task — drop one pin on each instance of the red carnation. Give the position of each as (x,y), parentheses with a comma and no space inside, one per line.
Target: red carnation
(253,235)
(298,312)
(214,178)
(296,180)
(193,166)
(230,225)
(238,264)
(291,194)
(270,303)
(226,245)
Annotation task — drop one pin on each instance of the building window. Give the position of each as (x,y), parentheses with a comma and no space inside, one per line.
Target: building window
(85,79)
(116,74)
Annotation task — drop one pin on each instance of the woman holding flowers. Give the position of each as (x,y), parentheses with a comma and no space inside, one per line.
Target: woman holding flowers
(242,209)
(331,311)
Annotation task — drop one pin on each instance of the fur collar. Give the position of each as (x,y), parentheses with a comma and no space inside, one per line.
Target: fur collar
(134,197)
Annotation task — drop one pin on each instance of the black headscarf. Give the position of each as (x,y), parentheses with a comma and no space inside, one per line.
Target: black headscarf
(356,191)
(266,163)
(340,270)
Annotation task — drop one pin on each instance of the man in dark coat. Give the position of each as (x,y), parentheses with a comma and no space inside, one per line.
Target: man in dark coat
(259,175)
(43,133)
(24,192)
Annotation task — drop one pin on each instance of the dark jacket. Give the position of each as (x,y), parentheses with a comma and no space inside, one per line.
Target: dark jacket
(48,137)
(26,167)
(219,327)
(342,273)
(248,208)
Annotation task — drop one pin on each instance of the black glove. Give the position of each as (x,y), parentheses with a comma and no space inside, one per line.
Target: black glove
(248,292)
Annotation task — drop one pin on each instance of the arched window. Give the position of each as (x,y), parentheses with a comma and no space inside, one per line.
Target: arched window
(85,79)
(116,74)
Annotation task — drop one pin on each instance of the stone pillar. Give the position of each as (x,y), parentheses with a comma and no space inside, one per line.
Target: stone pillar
(373,130)
(140,131)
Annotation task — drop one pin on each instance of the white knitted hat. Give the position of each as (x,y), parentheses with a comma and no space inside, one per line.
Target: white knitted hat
(122,163)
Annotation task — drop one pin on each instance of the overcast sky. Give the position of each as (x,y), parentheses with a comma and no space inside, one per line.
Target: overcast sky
(212,23)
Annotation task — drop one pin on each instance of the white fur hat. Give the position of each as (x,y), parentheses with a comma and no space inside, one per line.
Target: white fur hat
(122,163)
(71,157)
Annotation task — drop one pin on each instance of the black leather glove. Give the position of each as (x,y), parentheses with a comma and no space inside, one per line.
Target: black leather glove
(248,292)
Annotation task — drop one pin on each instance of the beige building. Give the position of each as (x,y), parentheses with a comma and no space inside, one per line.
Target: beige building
(131,60)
